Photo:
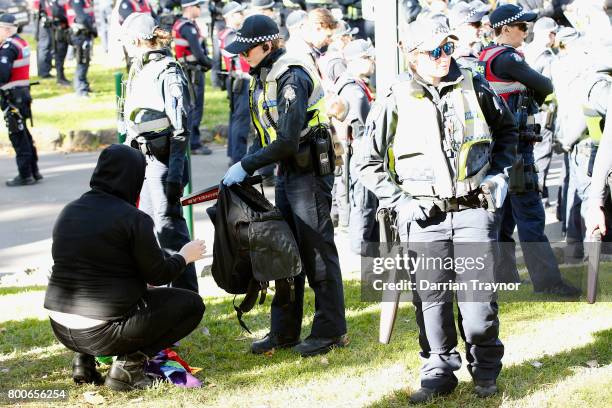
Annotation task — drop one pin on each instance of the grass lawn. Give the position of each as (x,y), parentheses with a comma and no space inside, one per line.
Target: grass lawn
(56,108)
(557,354)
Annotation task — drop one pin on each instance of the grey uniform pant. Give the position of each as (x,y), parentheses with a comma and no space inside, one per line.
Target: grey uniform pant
(456,234)
(577,192)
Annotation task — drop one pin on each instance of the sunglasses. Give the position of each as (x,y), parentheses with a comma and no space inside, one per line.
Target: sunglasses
(447,48)
(245,54)
(521,26)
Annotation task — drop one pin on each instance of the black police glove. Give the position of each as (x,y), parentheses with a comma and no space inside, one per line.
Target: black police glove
(174,192)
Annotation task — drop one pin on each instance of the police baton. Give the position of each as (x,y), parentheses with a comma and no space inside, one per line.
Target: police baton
(212,192)
(390,298)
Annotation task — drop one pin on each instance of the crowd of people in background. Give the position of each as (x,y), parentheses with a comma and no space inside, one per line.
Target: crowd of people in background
(505,88)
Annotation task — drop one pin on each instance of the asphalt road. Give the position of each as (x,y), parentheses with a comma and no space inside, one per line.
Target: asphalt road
(27,214)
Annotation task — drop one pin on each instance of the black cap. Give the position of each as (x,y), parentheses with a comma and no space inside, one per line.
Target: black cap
(508,14)
(256,29)
(7,20)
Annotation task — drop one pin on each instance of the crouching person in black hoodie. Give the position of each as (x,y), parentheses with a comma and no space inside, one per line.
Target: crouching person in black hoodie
(105,253)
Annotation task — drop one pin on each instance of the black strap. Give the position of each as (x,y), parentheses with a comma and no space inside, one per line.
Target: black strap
(239,314)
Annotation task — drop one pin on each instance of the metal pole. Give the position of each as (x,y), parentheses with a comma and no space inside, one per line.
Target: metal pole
(188,210)
(118,100)
(387,51)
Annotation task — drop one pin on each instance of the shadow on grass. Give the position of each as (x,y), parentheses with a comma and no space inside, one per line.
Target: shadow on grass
(519,381)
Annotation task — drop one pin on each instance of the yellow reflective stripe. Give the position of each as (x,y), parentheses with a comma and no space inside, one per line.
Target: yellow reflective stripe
(391,156)
(593,122)
(464,154)
(254,117)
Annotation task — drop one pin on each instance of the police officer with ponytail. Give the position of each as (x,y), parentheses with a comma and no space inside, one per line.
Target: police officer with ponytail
(156,116)
(288,112)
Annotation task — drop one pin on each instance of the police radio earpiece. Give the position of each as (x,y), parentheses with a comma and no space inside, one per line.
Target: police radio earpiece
(265,47)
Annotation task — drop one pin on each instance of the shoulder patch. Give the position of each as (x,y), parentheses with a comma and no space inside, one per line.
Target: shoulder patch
(517,57)
(124,5)
(289,93)
(194,31)
(4,60)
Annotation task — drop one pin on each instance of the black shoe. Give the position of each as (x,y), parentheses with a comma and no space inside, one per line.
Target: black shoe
(273,341)
(424,394)
(84,370)
(37,176)
(484,389)
(21,181)
(203,150)
(63,82)
(561,289)
(46,76)
(127,373)
(312,346)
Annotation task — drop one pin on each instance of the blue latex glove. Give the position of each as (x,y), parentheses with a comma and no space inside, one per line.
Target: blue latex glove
(234,174)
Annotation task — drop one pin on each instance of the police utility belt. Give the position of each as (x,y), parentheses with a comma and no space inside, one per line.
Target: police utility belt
(153,138)
(315,152)
(454,204)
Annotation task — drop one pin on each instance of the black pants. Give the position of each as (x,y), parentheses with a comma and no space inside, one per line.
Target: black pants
(162,317)
(19,134)
(305,202)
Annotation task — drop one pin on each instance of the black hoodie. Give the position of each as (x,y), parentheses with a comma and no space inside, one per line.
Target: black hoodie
(104,248)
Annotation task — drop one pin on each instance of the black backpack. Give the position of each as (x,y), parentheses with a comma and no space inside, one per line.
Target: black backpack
(253,245)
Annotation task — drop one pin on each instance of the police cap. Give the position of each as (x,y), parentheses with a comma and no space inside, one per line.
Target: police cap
(464,13)
(358,49)
(262,4)
(231,8)
(545,24)
(139,25)
(187,3)
(7,20)
(426,34)
(509,14)
(256,29)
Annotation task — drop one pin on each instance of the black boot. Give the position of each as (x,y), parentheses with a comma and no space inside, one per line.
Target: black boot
(273,341)
(20,181)
(84,370)
(37,176)
(61,80)
(127,373)
(484,389)
(313,346)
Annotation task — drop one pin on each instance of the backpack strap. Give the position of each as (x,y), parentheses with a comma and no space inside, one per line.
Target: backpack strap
(253,291)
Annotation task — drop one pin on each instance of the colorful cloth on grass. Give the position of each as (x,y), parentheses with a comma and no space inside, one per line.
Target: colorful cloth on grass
(168,365)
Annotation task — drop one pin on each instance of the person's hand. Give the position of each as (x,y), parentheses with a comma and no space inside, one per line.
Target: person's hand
(496,187)
(414,210)
(595,220)
(193,251)
(173,191)
(234,174)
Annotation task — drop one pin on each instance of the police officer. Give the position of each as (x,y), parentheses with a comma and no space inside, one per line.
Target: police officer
(598,217)
(466,22)
(508,73)
(53,38)
(80,16)
(15,100)
(425,159)
(155,112)
(44,45)
(237,70)
(191,53)
(288,112)
(352,88)
(540,56)
(127,7)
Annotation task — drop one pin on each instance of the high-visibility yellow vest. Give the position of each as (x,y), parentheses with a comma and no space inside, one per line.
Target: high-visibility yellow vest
(264,110)
(416,158)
